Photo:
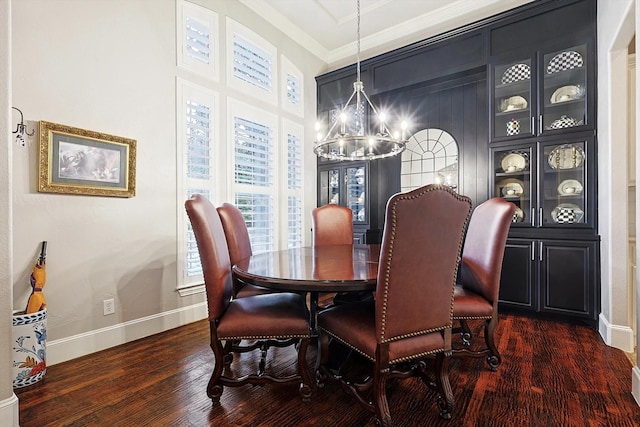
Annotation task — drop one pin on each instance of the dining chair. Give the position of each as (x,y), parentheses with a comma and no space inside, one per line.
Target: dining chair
(332,225)
(410,318)
(476,294)
(264,321)
(239,243)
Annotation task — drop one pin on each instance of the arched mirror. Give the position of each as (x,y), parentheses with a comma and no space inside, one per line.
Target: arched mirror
(431,157)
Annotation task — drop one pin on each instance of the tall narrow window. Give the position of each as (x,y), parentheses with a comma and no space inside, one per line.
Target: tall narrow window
(196,108)
(294,178)
(251,62)
(197,39)
(292,87)
(254,136)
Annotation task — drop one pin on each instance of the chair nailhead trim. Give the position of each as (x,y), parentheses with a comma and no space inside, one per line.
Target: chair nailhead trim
(471,317)
(430,188)
(262,337)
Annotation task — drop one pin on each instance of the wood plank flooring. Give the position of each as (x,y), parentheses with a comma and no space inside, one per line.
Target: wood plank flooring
(552,374)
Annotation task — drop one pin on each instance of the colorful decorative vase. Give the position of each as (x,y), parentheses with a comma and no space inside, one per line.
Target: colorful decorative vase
(29,332)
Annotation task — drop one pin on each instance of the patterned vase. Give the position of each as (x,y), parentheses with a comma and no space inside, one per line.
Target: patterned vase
(29,333)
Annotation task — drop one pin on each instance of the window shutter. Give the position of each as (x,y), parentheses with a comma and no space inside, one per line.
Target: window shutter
(294,162)
(257,210)
(198,40)
(252,64)
(198,125)
(253,153)
(294,222)
(293,89)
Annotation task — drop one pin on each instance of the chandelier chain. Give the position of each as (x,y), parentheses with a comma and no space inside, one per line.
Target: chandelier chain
(358,39)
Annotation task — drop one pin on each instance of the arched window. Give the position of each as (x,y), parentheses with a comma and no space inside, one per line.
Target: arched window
(431,157)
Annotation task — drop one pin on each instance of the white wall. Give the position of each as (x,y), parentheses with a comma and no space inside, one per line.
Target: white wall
(110,66)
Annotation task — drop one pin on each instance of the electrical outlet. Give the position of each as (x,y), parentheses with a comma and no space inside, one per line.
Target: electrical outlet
(109,306)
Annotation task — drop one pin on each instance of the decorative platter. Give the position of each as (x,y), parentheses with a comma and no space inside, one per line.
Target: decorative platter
(565,61)
(569,187)
(566,156)
(514,162)
(516,73)
(567,213)
(567,93)
(513,103)
(512,189)
(518,215)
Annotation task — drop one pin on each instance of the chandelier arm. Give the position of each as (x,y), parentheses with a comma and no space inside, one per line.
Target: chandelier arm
(342,110)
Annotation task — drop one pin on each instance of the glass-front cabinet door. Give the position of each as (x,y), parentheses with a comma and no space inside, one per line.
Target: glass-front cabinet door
(564,89)
(563,184)
(544,93)
(513,106)
(514,181)
(345,185)
(329,186)
(355,182)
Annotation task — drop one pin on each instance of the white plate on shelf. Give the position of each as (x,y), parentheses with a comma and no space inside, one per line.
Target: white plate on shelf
(515,73)
(566,156)
(567,213)
(512,189)
(569,187)
(513,103)
(514,162)
(567,93)
(518,215)
(565,61)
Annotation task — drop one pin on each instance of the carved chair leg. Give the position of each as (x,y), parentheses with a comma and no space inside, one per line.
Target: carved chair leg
(214,389)
(323,358)
(445,398)
(465,334)
(307,386)
(380,398)
(493,359)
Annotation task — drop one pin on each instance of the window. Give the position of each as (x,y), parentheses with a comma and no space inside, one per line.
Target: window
(292,132)
(197,112)
(292,87)
(254,136)
(431,157)
(251,64)
(197,39)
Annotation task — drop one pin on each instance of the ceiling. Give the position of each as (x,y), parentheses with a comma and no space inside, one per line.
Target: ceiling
(328,28)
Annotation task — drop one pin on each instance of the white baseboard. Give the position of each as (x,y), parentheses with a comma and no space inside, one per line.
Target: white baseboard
(635,383)
(89,342)
(616,335)
(9,412)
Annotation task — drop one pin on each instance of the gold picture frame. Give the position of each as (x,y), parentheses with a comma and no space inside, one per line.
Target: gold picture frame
(84,162)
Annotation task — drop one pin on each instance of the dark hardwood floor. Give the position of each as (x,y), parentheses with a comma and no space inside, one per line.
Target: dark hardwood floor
(552,374)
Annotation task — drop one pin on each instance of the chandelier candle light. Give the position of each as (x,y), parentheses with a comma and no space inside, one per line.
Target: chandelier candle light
(347,138)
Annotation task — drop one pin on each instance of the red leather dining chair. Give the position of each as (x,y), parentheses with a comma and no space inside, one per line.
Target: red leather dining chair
(237,235)
(332,225)
(476,295)
(275,319)
(410,318)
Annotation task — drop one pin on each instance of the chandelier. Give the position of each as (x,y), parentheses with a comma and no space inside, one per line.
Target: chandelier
(349,137)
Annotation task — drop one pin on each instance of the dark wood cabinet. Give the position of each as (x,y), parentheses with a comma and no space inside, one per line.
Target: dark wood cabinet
(517,92)
(554,277)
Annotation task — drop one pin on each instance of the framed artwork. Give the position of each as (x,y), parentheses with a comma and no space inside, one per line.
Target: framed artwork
(84,162)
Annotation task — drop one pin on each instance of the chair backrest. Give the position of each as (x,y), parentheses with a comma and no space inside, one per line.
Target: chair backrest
(332,225)
(484,245)
(421,245)
(214,253)
(235,230)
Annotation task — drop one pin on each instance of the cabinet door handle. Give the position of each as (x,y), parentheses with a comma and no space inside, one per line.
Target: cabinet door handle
(541,252)
(540,124)
(533,217)
(539,217)
(533,251)
(532,128)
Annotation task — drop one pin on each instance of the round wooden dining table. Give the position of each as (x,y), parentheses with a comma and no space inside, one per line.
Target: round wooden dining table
(313,270)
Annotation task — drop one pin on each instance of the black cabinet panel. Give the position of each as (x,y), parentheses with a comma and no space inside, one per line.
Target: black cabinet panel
(567,282)
(517,280)
(577,18)
(443,59)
